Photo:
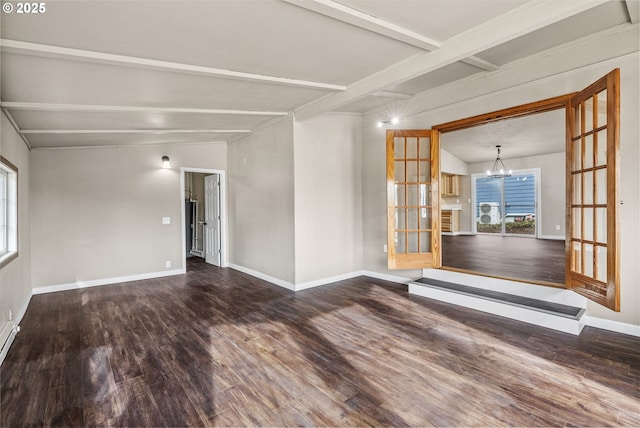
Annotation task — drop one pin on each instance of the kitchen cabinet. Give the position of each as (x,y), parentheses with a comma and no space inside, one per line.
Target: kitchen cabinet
(450,185)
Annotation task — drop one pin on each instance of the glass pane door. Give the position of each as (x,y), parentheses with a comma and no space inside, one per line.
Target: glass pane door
(506,205)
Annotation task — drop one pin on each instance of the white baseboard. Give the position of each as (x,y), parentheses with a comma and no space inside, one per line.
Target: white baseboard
(14,330)
(556,237)
(387,277)
(324,281)
(619,327)
(106,281)
(272,279)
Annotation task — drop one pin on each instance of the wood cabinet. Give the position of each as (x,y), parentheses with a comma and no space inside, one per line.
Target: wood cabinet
(449,220)
(450,185)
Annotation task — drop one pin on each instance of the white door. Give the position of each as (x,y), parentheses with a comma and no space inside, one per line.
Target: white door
(212,227)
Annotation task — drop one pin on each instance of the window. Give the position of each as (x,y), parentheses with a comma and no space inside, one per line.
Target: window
(8,211)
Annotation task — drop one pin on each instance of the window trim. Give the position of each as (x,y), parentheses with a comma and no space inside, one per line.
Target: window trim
(12,212)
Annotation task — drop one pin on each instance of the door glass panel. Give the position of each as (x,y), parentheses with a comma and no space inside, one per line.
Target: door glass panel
(425,148)
(425,242)
(601,225)
(588,151)
(601,254)
(401,223)
(577,120)
(576,260)
(588,260)
(601,186)
(399,171)
(413,242)
(588,224)
(398,148)
(577,188)
(601,150)
(412,148)
(425,195)
(577,156)
(412,214)
(425,171)
(401,242)
(400,196)
(425,218)
(412,195)
(577,223)
(588,115)
(602,108)
(588,188)
(412,171)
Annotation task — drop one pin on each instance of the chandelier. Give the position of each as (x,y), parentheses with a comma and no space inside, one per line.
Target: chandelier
(499,170)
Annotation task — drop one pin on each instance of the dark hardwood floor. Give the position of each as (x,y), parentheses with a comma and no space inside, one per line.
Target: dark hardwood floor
(218,347)
(515,257)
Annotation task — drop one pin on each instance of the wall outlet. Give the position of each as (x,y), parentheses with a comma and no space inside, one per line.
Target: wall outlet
(384,248)
(166,220)
(10,315)
(557,227)
(167,264)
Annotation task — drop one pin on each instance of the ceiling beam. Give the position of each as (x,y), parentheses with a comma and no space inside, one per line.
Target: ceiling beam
(37,49)
(365,21)
(136,131)
(12,105)
(633,8)
(520,21)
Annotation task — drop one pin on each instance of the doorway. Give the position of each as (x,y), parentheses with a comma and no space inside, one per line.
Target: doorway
(204,215)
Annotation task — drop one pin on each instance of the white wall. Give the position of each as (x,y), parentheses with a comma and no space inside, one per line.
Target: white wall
(97,213)
(261,206)
(15,277)
(564,70)
(328,212)
(552,187)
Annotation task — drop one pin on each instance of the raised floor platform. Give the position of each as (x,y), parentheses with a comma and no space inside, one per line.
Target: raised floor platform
(549,308)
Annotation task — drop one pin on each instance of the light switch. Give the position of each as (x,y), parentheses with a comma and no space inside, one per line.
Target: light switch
(166,220)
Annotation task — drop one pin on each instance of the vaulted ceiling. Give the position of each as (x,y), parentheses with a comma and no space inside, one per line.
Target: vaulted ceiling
(93,73)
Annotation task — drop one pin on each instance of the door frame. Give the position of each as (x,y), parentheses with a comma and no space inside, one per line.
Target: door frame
(224,259)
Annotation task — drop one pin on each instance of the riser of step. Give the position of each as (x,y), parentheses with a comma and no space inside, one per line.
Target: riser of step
(531,316)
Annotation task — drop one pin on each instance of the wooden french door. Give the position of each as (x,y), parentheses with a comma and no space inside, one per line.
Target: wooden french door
(592,250)
(413,171)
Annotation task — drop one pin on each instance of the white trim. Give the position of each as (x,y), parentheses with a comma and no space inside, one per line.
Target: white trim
(49,51)
(324,281)
(17,105)
(617,326)
(14,330)
(105,281)
(224,244)
(553,237)
(136,131)
(276,281)
(387,277)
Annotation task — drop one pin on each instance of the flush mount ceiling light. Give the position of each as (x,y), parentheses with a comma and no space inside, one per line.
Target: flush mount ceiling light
(166,163)
(499,170)
(394,121)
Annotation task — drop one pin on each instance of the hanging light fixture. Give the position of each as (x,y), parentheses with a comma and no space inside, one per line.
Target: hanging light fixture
(499,170)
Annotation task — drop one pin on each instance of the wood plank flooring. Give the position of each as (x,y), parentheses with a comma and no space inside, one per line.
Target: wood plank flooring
(219,348)
(515,257)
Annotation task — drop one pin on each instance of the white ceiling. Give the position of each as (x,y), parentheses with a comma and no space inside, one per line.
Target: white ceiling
(89,73)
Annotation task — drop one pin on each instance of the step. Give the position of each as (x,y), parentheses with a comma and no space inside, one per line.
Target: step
(545,313)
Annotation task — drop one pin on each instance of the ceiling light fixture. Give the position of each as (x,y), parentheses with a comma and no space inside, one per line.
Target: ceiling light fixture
(166,163)
(499,170)
(394,121)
